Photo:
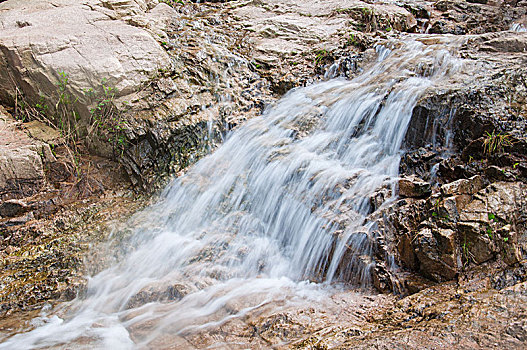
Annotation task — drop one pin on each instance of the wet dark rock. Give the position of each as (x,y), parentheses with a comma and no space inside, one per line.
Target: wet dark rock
(382,280)
(406,252)
(159,293)
(474,150)
(518,330)
(495,173)
(436,250)
(18,220)
(509,277)
(59,171)
(414,283)
(12,208)
(417,9)
(379,197)
(446,209)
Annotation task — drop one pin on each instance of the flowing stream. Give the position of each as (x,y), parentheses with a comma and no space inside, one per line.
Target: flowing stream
(277,214)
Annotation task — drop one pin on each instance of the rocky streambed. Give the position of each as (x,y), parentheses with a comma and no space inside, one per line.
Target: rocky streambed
(449,251)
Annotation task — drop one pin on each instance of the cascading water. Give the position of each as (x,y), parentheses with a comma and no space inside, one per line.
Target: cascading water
(518,27)
(282,204)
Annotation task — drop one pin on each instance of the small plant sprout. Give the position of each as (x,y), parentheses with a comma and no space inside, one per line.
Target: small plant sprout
(489,233)
(60,111)
(321,56)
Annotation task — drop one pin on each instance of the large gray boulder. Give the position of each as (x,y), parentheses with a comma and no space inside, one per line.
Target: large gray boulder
(89,40)
(177,80)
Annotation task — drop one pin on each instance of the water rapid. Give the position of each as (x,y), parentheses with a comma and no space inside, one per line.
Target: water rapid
(276,214)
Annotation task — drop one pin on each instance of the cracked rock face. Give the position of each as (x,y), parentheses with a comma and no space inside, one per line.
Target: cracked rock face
(22,161)
(181,68)
(175,71)
(90,40)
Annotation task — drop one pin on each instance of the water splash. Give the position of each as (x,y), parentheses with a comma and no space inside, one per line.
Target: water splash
(280,206)
(518,27)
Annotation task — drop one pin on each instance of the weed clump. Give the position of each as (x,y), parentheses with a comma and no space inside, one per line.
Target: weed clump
(61,112)
(496,142)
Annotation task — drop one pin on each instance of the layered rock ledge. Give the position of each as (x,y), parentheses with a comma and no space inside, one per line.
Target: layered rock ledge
(181,75)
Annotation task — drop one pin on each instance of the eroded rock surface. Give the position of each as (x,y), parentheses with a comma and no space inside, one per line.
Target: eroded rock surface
(184,74)
(22,160)
(89,40)
(44,207)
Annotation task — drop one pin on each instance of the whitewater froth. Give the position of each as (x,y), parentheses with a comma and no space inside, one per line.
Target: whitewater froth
(280,207)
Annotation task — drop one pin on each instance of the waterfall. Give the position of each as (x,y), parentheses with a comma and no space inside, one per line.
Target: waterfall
(278,212)
(518,27)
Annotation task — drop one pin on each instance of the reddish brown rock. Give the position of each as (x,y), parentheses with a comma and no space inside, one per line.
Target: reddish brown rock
(437,253)
(463,186)
(414,188)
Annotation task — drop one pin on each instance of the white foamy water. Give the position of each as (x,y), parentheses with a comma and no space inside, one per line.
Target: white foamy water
(279,208)
(518,27)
